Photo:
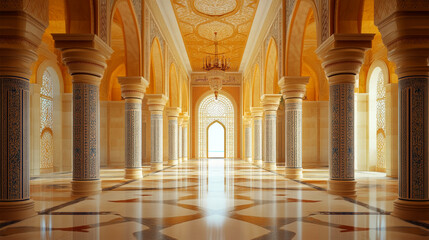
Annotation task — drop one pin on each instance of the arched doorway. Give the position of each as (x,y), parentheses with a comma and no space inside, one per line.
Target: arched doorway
(216,140)
(377,117)
(211,111)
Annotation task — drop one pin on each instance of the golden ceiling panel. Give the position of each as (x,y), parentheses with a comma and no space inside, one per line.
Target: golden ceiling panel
(199,19)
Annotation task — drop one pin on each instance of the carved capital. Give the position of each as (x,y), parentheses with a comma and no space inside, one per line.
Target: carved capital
(270,102)
(293,87)
(342,56)
(173,112)
(133,87)
(257,112)
(156,103)
(85,56)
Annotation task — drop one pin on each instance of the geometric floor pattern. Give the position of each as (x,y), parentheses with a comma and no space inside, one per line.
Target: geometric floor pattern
(214,199)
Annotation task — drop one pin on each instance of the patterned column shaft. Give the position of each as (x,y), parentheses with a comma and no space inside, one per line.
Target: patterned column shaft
(270,136)
(342,57)
(185,142)
(413,146)
(248,142)
(257,135)
(156,133)
(86,107)
(85,56)
(172,140)
(173,128)
(179,140)
(270,103)
(293,113)
(133,134)
(15,132)
(341,134)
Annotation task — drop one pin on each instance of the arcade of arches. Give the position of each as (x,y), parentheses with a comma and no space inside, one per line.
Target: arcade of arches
(110,130)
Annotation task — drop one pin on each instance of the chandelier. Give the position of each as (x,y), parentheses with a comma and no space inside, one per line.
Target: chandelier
(216,66)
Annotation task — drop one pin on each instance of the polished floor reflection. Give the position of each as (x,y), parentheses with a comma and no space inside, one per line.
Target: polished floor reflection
(214,199)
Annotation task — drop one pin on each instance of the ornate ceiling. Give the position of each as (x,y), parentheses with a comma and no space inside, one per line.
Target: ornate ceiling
(199,19)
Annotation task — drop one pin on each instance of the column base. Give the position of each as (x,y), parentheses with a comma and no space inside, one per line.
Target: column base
(156,166)
(180,160)
(293,173)
(133,173)
(249,160)
(173,162)
(17,210)
(270,165)
(257,162)
(185,159)
(411,210)
(85,188)
(342,188)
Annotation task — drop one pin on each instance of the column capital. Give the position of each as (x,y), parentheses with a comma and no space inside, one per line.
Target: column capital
(405,32)
(20,37)
(247,119)
(133,87)
(85,56)
(173,112)
(342,55)
(270,102)
(256,111)
(185,119)
(156,102)
(180,120)
(293,86)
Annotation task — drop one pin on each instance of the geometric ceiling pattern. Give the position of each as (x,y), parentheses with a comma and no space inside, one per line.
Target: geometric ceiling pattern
(199,19)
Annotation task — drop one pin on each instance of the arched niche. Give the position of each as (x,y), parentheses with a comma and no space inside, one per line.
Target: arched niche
(271,69)
(221,127)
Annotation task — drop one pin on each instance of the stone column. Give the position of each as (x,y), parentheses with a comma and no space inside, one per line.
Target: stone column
(257,135)
(293,90)
(270,103)
(156,103)
(405,32)
(85,56)
(342,56)
(133,89)
(247,120)
(185,136)
(173,114)
(20,36)
(179,140)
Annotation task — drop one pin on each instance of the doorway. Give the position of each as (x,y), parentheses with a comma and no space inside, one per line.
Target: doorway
(216,140)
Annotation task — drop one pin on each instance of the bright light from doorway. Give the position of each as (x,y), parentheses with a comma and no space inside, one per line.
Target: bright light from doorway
(216,143)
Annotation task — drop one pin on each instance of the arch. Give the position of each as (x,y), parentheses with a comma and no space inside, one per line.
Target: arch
(205,118)
(271,69)
(348,16)
(80,16)
(131,35)
(377,78)
(256,87)
(295,36)
(173,86)
(49,122)
(156,85)
(224,137)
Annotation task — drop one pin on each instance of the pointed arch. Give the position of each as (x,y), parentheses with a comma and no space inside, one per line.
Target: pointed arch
(131,35)
(224,136)
(271,69)
(295,36)
(156,83)
(256,87)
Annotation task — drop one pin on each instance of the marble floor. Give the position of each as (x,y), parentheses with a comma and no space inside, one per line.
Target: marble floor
(214,199)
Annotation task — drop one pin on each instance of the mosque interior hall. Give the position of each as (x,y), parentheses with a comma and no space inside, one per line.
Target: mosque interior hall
(214,119)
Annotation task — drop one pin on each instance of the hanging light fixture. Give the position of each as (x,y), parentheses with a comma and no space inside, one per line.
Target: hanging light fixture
(216,67)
